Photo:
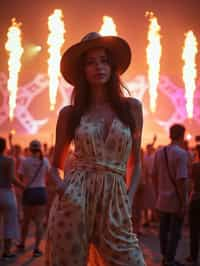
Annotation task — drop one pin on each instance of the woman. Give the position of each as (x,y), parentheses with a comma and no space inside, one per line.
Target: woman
(8,204)
(194,212)
(90,220)
(15,151)
(34,170)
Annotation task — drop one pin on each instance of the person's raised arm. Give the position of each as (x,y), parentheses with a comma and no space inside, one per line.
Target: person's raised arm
(135,157)
(10,143)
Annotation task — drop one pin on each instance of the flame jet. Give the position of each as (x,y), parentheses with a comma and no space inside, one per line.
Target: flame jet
(108,28)
(189,70)
(15,51)
(153,52)
(55,42)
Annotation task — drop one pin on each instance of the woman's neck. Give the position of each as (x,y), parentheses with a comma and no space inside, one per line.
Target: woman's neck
(98,98)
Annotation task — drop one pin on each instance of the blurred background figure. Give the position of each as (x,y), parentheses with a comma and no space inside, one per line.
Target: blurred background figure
(8,203)
(148,186)
(194,211)
(15,150)
(170,169)
(33,171)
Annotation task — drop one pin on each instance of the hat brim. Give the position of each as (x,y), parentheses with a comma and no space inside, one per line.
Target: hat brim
(119,49)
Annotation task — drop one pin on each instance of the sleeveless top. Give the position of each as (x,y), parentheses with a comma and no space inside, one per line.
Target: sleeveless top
(92,150)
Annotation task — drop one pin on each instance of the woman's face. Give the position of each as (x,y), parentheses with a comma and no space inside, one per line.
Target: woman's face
(97,68)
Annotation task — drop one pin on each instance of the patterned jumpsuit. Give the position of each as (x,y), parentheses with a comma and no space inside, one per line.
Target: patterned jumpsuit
(91,223)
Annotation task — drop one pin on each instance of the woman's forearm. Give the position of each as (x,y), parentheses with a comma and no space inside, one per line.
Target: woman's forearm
(17,183)
(135,178)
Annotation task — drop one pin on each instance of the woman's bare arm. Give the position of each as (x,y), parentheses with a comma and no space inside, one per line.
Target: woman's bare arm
(135,157)
(61,145)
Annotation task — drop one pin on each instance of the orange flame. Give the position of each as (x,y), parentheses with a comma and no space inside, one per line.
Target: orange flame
(55,42)
(188,136)
(189,70)
(109,27)
(13,132)
(15,51)
(153,52)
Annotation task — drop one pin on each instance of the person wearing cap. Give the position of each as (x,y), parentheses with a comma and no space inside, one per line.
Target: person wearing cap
(33,171)
(90,219)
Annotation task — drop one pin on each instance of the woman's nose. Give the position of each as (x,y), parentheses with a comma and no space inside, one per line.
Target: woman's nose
(98,64)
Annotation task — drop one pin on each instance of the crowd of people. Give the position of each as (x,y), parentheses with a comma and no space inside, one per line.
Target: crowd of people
(111,187)
(18,164)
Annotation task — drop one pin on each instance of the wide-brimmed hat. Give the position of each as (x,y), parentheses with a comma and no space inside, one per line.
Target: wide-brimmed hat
(118,48)
(35,145)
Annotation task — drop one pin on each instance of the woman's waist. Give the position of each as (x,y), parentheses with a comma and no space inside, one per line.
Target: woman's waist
(90,164)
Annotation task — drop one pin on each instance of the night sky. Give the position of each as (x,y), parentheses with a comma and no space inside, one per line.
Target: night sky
(175,17)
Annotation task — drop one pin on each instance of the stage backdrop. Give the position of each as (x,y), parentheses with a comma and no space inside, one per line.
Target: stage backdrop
(33,118)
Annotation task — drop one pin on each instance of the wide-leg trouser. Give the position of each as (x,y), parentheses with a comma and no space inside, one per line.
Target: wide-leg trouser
(91,224)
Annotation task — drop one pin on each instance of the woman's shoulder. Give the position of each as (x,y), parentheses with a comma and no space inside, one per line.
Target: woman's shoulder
(134,103)
(28,160)
(135,107)
(136,111)
(8,159)
(66,111)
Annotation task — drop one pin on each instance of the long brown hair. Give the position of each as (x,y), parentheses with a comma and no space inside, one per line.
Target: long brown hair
(81,98)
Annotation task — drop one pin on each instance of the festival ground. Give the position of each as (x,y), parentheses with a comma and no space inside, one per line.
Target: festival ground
(149,243)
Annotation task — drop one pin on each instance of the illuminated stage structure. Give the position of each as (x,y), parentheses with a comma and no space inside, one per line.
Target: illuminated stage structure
(32,115)
(31,110)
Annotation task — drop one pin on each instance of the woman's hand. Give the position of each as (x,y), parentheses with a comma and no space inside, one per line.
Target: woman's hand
(60,190)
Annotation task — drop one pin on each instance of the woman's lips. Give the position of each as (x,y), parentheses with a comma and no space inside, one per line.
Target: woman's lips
(100,75)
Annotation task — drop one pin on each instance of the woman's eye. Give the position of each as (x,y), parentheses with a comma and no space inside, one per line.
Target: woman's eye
(89,62)
(93,62)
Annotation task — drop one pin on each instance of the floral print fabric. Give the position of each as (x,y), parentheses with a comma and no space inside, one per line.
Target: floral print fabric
(91,223)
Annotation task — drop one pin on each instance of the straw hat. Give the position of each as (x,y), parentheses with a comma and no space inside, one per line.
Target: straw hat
(118,48)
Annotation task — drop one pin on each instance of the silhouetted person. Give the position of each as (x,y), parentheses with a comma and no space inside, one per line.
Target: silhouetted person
(8,204)
(171,172)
